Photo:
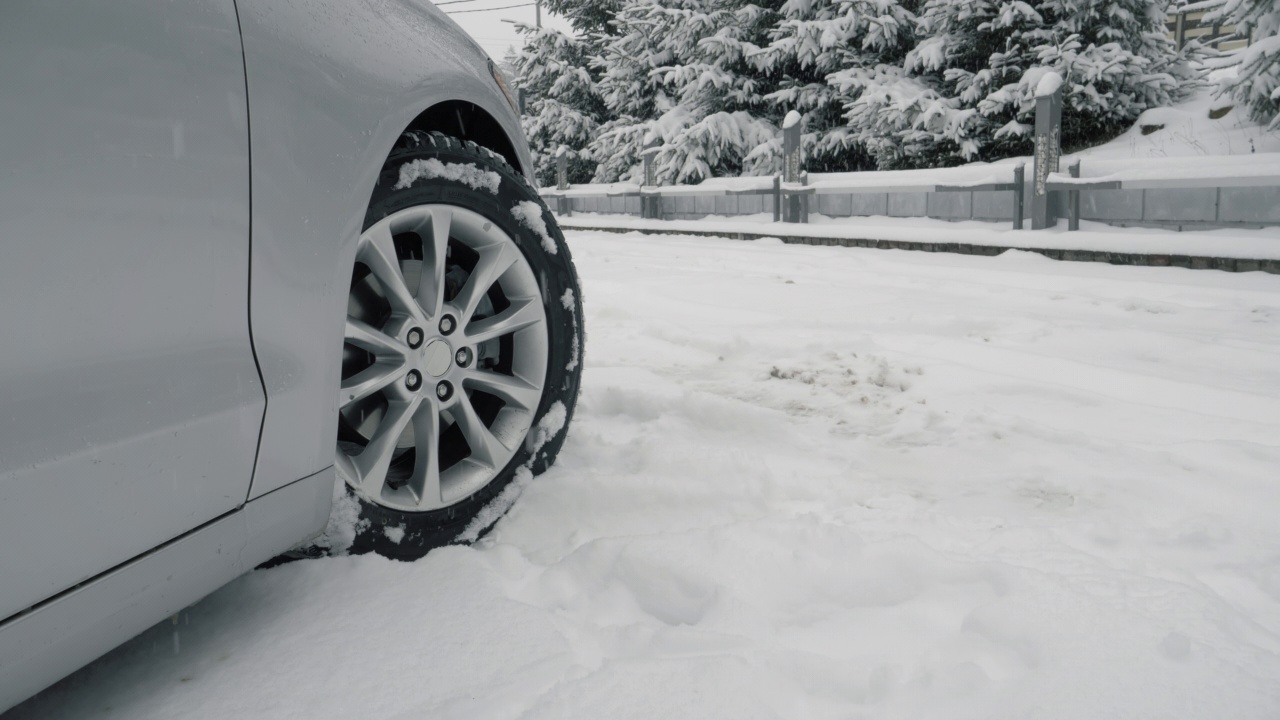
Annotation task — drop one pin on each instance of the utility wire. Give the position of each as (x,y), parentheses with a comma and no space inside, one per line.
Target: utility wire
(504,7)
(454,2)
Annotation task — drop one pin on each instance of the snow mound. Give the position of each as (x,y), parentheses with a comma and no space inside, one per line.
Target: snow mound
(1197,128)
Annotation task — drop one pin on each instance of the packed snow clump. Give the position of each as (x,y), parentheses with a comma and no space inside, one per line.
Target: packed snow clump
(467,174)
(394,534)
(576,348)
(344,522)
(529,214)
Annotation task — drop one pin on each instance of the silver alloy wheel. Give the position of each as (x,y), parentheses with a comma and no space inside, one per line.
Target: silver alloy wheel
(444,361)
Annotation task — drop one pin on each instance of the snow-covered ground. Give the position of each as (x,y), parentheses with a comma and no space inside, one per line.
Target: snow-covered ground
(810,482)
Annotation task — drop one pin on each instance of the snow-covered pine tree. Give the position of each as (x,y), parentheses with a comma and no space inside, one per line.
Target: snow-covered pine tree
(966,91)
(818,39)
(1256,83)
(588,17)
(562,105)
(679,73)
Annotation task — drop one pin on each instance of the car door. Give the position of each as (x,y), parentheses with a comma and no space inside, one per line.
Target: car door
(130,402)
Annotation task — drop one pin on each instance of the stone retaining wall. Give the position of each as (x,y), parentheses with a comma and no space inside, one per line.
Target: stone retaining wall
(1189,209)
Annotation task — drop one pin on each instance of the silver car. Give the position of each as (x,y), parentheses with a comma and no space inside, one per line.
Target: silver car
(255,256)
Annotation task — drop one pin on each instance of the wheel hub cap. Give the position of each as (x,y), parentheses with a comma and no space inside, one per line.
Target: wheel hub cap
(437,356)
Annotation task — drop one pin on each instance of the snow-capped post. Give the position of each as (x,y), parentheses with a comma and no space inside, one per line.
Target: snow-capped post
(792,127)
(650,205)
(1048,146)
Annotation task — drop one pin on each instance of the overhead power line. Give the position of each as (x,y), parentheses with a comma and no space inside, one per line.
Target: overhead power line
(504,7)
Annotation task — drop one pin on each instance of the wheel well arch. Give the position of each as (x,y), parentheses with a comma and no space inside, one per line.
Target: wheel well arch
(468,121)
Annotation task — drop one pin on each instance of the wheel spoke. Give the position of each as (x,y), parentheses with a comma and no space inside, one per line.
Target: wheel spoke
(426,469)
(494,261)
(521,314)
(368,381)
(367,337)
(378,252)
(511,389)
(434,262)
(485,448)
(371,465)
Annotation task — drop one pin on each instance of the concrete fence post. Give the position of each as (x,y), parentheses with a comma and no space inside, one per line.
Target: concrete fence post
(1048,147)
(650,205)
(563,204)
(792,162)
(777,198)
(1019,194)
(521,94)
(1073,199)
(562,169)
(804,199)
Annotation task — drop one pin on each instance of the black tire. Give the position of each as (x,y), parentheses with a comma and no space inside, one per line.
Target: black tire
(557,280)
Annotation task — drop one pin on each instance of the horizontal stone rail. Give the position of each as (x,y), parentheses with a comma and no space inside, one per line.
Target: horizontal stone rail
(1251,190)
(682,197)
(1164,194)
(1044,246)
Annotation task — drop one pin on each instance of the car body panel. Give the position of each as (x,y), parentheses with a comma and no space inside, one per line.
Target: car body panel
(131,399)
(332,85)
(46,643)
(149,410)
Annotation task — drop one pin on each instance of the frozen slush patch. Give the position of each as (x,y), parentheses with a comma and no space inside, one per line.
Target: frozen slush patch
(469,175)
(576,349)
(529,214)
(344,522)
(394,534)
(550,424)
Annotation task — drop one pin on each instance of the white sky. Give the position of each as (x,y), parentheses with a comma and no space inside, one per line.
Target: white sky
(487,27)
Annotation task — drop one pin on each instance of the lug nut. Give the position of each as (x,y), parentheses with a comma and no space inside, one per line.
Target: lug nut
(444,390)
(413,380)
(447,324)
(462,357)
(415,338)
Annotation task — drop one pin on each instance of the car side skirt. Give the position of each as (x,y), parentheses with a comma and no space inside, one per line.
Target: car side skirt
(44,644)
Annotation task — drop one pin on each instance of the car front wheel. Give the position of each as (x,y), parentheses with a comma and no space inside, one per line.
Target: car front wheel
(462,348)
